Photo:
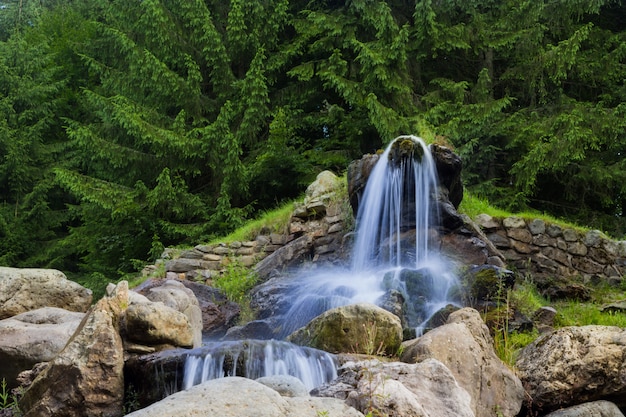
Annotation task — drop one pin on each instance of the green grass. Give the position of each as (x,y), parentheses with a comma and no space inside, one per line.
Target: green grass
(573,313)
(236,283)
(526,299)
(473,206)
(276,221)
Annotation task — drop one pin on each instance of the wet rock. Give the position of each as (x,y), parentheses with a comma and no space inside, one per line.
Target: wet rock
(290,255)
(358,173)
(357,328)
(486,283)
(256,329)
(449,167)
(28,289)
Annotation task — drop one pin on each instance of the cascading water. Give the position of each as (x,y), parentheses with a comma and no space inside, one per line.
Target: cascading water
(397,199)
(257,358)
(397,217)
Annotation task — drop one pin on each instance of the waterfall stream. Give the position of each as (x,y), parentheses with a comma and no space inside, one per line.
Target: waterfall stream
(396,220)
(257,358)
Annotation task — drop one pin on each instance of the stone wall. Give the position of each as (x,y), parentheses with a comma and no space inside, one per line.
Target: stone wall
(549,250)
(316,231)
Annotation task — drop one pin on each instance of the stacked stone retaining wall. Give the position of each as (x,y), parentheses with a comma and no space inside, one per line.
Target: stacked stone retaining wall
(323,223)
(538,247)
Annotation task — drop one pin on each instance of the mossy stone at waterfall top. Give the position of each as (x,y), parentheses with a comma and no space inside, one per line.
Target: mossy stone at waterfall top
(405,148)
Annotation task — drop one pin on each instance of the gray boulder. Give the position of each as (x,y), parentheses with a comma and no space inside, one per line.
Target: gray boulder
(218,313)
(241,397)
(285,385)
(573,365)
(157,324)
(32,337)
(28,289)
(175,295)
(398,389)
(592,409)
(464,345)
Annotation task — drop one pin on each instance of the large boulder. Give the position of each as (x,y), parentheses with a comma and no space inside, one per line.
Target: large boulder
(398,389)
(175,295)
(241,397)
(465,347)
(357,328)
(573,365)
(156,324)
(592,409)
(86,378)
(288,256)
(32,337)
(28,289)
(218,313)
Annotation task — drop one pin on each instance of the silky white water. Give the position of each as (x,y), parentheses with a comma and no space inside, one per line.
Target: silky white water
(393,187)
(257,358)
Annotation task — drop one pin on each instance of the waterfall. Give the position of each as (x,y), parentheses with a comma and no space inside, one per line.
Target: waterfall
(257,358)
(396,219)
(397,198)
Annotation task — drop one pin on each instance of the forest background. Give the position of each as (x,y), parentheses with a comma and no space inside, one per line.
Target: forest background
(128,126)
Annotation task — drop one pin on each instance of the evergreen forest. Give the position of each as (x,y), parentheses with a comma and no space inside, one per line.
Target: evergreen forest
(130,125)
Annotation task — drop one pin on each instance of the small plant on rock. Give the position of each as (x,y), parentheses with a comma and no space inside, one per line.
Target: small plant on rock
(236,283)
(8,400)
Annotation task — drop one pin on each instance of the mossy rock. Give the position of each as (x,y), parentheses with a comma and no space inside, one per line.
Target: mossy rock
(358,328)
(487,282)
(404,148)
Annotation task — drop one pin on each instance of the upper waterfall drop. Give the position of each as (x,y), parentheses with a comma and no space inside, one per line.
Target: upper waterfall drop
(397,199)
(397,218)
